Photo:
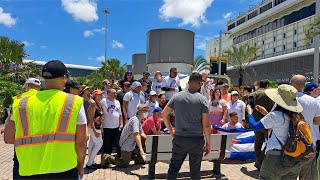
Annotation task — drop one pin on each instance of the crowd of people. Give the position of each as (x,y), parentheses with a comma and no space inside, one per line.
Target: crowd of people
(117,118)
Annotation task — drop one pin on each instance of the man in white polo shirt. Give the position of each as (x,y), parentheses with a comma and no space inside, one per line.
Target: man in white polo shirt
(131,100)
(311,113)
(237,106)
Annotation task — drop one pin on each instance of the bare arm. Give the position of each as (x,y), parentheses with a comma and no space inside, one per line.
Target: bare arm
(81,146)
(155,132)
(225,113)
(207,132)
(137,137)
(124,109)
(121,122)
(9,131)
(165,116)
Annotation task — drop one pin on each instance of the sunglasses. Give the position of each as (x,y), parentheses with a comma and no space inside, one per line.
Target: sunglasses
(107,83)
(234,95)
(127,85)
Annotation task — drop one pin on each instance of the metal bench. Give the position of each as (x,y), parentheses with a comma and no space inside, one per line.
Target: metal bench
(159,147)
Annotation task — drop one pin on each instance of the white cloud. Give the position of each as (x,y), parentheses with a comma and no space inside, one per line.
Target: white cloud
(43,47)
(89,33)
(201,41)
(117,45)
(190,11)
(6,18)
(100,58)
(227,15)
(26,43)
(81,10)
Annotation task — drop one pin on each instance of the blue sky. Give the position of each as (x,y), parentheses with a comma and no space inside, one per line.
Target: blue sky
(73,30)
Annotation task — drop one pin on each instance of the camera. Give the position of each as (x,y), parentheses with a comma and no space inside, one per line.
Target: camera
(250,101)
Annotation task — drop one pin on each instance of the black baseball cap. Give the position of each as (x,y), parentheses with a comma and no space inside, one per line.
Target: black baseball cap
(54,69)
(146,73)
(74,84)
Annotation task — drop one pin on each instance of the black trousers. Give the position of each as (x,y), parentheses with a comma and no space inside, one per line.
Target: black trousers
(110,138)
(15,166)
(71,174)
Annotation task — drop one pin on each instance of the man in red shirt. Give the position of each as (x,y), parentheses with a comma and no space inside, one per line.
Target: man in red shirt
(152,125)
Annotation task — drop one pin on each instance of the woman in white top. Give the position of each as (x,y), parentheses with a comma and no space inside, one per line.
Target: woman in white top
(277,122)
(218,109)
(152,102)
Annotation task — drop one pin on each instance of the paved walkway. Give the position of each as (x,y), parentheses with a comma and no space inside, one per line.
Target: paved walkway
(233,170)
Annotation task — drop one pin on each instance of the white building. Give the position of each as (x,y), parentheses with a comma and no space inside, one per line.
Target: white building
(277,28)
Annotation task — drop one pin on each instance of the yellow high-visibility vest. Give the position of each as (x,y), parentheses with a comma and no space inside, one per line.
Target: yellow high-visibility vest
(45,132)
(23,95)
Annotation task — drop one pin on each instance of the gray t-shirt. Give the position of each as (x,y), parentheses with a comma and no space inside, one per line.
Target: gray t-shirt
(188,108)
(127,141)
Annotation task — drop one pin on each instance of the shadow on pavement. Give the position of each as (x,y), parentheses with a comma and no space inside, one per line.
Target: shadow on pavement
(254,174)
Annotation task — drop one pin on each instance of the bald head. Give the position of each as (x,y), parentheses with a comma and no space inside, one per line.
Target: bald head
(299,82)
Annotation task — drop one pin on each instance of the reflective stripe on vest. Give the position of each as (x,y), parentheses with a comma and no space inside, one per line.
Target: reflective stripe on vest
(23,116)
(59,135)
(44,139)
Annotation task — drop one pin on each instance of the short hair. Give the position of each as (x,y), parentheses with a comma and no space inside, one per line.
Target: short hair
(195,77)
(248,88)
(233,114)
(144,84)
(264,83)
(173,69)
(160,95)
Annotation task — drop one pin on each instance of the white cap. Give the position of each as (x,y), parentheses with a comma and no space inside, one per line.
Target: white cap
(234,92)
(152,93)
(34,81)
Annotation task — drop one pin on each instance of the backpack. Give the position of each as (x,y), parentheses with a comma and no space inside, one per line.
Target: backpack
(299,144)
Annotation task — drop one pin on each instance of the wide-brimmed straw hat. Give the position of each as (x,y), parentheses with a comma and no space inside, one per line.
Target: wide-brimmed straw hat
(286,97)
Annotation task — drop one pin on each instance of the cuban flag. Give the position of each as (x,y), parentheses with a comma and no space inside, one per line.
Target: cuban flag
(242,143)
(13,66)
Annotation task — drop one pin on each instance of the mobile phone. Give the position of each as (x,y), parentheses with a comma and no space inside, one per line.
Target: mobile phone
(251,102)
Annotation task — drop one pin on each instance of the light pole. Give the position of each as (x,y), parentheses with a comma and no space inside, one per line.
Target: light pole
(316,48)
(106,11)
(220,49)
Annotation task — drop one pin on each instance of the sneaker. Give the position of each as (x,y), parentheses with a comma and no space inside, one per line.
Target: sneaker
(91,167)
(257,164)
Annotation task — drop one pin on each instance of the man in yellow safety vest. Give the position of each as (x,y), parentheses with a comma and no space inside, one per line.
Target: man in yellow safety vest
(31,86)
(49,129)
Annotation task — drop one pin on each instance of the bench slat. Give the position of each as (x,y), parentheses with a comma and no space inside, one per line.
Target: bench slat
(167,156)
(165,142)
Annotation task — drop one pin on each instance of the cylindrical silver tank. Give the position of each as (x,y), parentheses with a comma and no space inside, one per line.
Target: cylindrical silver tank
(170,46)
(139,63)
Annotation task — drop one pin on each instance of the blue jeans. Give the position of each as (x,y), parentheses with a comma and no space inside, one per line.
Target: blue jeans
(181,147)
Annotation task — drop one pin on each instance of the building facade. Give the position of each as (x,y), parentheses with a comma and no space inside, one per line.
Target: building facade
(276,27)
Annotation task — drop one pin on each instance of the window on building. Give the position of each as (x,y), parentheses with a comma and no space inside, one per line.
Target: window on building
(284,35)
(240,21)
(294,44)
(231,26)
(284,47)
(255,44)
(215,50)
(274,38)
(262,42)
(295,32)
(253,14)
(277,2)
(266,7)
(274,50)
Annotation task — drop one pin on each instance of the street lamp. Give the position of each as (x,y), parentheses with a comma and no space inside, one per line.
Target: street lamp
(220,49)
(316,48)
(106,11)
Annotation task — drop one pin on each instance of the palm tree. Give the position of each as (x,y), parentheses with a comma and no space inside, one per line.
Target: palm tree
(11,51)
(311,31)
(112,69)
(200,64)
(240,57)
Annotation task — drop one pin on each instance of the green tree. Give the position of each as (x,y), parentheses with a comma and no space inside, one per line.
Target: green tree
(311,31)
(200,64)
(11,51)
(240,57)
(112,69)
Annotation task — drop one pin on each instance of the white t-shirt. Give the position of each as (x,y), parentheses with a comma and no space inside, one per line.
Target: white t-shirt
(217,105)
(239,107)
(134,100)
(111,113)
(152,105)
(311,109)
(171,83)
(230,126)
(82,118)
(156,86)
(205,90)
(278,123)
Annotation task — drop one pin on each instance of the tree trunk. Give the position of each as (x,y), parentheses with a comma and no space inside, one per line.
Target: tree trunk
(240,80)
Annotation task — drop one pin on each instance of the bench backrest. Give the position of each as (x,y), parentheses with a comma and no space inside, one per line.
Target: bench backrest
(164,142)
